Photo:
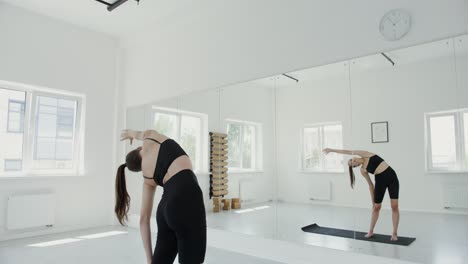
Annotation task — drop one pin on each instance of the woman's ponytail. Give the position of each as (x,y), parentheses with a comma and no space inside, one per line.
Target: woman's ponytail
(122,199)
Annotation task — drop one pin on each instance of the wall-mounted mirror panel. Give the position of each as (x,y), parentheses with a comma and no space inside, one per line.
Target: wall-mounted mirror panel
(398,118)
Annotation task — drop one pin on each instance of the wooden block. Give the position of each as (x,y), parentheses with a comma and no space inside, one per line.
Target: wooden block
(218,158)
(235,200)
(216,209)
(227,204)
(219,170)
(219,176)
(219,152)
(220,193)
(219,140)
(219,146)
(218,164)
(219,187)
(218,182)
(215,134)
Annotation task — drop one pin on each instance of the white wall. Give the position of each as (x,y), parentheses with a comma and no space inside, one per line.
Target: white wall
(223,42)
(311,101)
(400,95)
(40,51)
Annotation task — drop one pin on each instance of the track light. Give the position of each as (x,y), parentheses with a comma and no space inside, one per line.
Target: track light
(114,5)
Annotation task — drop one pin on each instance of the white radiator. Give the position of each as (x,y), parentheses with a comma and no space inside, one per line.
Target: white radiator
(30,210)
(455,197)
(320,190)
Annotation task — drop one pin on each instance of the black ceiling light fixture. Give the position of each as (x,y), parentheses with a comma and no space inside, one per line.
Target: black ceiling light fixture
(112,6)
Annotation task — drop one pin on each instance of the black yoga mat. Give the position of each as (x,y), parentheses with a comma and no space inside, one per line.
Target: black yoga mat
(316,229)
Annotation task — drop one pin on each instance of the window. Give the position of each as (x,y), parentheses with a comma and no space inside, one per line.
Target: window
(55,132)
(184,127)
(13,164)
(315,138)
(446,135)
(52,123)
(15,116)
(243,145)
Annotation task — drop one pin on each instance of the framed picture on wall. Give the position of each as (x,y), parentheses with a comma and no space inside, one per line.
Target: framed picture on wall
(379,132)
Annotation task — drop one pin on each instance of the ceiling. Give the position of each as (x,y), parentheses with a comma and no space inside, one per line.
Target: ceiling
(123,21)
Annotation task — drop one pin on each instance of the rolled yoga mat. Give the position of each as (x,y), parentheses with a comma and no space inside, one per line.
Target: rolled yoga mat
(316,229)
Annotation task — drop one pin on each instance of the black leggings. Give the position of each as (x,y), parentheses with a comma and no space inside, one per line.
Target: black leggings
(181,220)
(386,179)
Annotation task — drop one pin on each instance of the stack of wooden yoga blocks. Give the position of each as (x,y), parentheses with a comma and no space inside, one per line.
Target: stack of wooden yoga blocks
(219,175)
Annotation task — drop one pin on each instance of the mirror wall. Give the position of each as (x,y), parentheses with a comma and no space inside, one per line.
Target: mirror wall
(409,106)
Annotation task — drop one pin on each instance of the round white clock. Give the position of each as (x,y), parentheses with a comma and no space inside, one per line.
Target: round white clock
(395,24)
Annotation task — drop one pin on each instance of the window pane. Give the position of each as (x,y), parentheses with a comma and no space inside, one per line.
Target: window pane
(190,138)
(166,124)
(13,165)
(55,131)
(333,138)
(48,101)
(465,116)
(442,140)
(45,149)
(12,105)
(47,125)
(248,146)
(15,116)
(234,145)
(65,122)
(67,103)
(312,149)
(64,149)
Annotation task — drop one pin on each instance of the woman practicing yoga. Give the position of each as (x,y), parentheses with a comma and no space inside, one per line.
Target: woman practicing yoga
(385,177)
(180,216)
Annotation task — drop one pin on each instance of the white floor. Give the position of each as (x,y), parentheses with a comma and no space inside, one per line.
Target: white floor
(440,238)
(122,248)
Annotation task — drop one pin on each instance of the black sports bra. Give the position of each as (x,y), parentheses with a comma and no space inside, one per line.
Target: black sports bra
(168,152)
(374,162)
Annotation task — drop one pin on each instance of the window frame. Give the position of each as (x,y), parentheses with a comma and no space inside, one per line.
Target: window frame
(202,151)
(22,117)
(321,127)
(460,164)
(29,132)
(256,146)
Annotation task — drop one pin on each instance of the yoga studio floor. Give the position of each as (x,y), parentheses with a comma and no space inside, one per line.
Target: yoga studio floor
(88,246)
(440,238)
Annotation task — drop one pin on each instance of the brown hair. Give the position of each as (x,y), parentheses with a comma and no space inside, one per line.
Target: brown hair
(352,178)
(122,199)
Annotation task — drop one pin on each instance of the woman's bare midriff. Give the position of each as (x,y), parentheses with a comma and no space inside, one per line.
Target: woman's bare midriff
(381,168)
(179,164)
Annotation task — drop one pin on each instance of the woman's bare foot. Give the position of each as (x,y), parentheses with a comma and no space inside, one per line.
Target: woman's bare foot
(369,235)
(394,237)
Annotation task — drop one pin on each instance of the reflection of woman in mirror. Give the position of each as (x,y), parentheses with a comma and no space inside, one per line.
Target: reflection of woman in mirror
(180,216)
(385,178)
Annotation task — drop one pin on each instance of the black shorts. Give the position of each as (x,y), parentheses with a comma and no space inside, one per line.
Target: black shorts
(386,179)
(181,220)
